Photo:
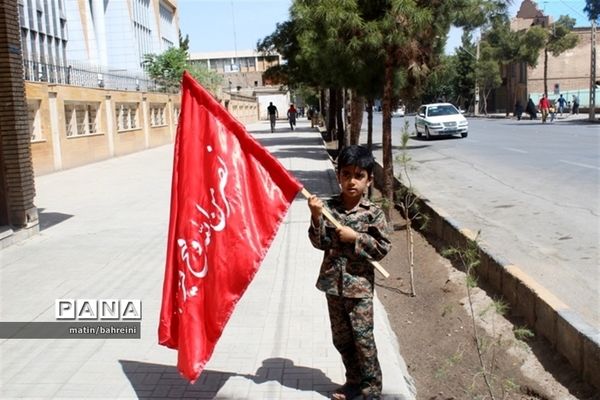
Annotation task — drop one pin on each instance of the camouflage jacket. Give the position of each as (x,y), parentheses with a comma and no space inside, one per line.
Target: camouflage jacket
(346,270)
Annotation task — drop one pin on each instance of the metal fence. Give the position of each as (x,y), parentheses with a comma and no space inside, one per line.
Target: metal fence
(79,74)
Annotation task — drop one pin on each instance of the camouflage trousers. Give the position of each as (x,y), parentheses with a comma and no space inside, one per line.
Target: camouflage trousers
(352,330)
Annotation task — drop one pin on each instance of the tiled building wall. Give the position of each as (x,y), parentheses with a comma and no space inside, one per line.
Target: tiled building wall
(71,126)
(58,146)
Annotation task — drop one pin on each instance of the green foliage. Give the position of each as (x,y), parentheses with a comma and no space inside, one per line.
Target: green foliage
(510,46)
(442,371)
(167,69)
(592,8)
(208,78)
(309,94)
(500,306)
(523,333)
(443,82)
(487,68)
(184,44)
(510,386)
(560,36)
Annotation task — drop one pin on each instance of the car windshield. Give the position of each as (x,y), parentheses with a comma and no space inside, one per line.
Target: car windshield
(436,111)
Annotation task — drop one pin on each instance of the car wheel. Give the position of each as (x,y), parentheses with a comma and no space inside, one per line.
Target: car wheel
(464,134)
(417,131)
(427,135)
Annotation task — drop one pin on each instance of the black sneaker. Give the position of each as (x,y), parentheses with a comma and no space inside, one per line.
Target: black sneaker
(347,391)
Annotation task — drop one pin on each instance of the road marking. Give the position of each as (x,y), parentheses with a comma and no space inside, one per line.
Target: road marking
(516,150)
(579,164)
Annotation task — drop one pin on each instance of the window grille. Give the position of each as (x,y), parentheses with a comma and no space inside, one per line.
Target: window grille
(81,119)
(34,119)
(126,116)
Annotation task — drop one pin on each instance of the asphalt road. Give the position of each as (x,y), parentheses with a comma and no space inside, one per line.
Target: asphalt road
(532,190)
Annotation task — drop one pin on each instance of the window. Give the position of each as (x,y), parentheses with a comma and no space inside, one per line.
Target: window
(157,114)
(34,119)
(126,116)
(81,118)
(176,110)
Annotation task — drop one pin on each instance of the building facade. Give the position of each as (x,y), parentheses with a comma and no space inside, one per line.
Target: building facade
(243,75)
(242,70)
(113,35)
(568,74)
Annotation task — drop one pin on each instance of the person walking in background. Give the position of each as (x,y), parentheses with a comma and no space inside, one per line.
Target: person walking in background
(562,102)
(273,115)
(347,276)
(518,110)
(552,110)
(530,109)
(292,113)
(310,114)
(544,107)
(575,104)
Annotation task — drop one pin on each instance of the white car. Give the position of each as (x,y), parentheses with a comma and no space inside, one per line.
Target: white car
(398,112)
(440,119)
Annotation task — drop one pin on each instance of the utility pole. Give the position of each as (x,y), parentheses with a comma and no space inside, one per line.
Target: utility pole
(476,109)
(592,112)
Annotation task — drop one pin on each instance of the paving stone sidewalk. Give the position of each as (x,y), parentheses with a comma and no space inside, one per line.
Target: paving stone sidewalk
(103,236)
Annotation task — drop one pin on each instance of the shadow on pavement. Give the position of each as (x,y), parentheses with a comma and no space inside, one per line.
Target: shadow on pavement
(49,219)
(320,183)
(378,146)
(163,381)
(313,153)
(287,140)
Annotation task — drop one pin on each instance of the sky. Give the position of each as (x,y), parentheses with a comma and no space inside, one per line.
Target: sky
(230,25)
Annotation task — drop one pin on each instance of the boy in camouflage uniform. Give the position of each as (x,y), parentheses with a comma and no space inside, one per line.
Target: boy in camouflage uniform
(346,275)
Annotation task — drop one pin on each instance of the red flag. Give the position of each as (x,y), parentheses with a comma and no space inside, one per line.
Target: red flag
(228,198)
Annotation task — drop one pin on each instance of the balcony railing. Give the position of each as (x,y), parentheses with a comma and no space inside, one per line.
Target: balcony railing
(88,76)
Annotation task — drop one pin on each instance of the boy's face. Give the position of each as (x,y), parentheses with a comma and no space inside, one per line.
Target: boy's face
(353,181)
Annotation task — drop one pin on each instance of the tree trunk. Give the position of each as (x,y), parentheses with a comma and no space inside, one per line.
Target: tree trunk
(546,71)
(322,105)
(485,97)
(370,104)
(356,118)
(331,111)
(386,139)
(510,92)
(341,131)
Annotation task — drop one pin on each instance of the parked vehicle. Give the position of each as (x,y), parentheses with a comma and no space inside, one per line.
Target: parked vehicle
(398,112)
(440,119)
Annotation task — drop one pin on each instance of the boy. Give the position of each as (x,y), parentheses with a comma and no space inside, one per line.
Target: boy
(346,275)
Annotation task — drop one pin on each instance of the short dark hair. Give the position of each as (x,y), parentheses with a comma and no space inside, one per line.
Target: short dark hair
(358,156)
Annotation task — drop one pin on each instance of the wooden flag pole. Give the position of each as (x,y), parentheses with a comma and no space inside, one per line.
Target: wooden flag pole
(335,223)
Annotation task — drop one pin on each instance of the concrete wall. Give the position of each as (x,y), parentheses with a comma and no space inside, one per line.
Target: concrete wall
(53,149)
(280,100)
(244,108)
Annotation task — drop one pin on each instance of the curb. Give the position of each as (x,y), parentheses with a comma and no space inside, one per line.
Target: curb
(568,333)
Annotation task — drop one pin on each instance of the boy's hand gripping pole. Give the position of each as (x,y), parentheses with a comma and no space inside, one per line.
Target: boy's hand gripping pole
(335,223)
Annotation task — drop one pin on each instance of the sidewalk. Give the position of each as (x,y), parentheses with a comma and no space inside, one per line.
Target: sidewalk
(568,118)
(103,236)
